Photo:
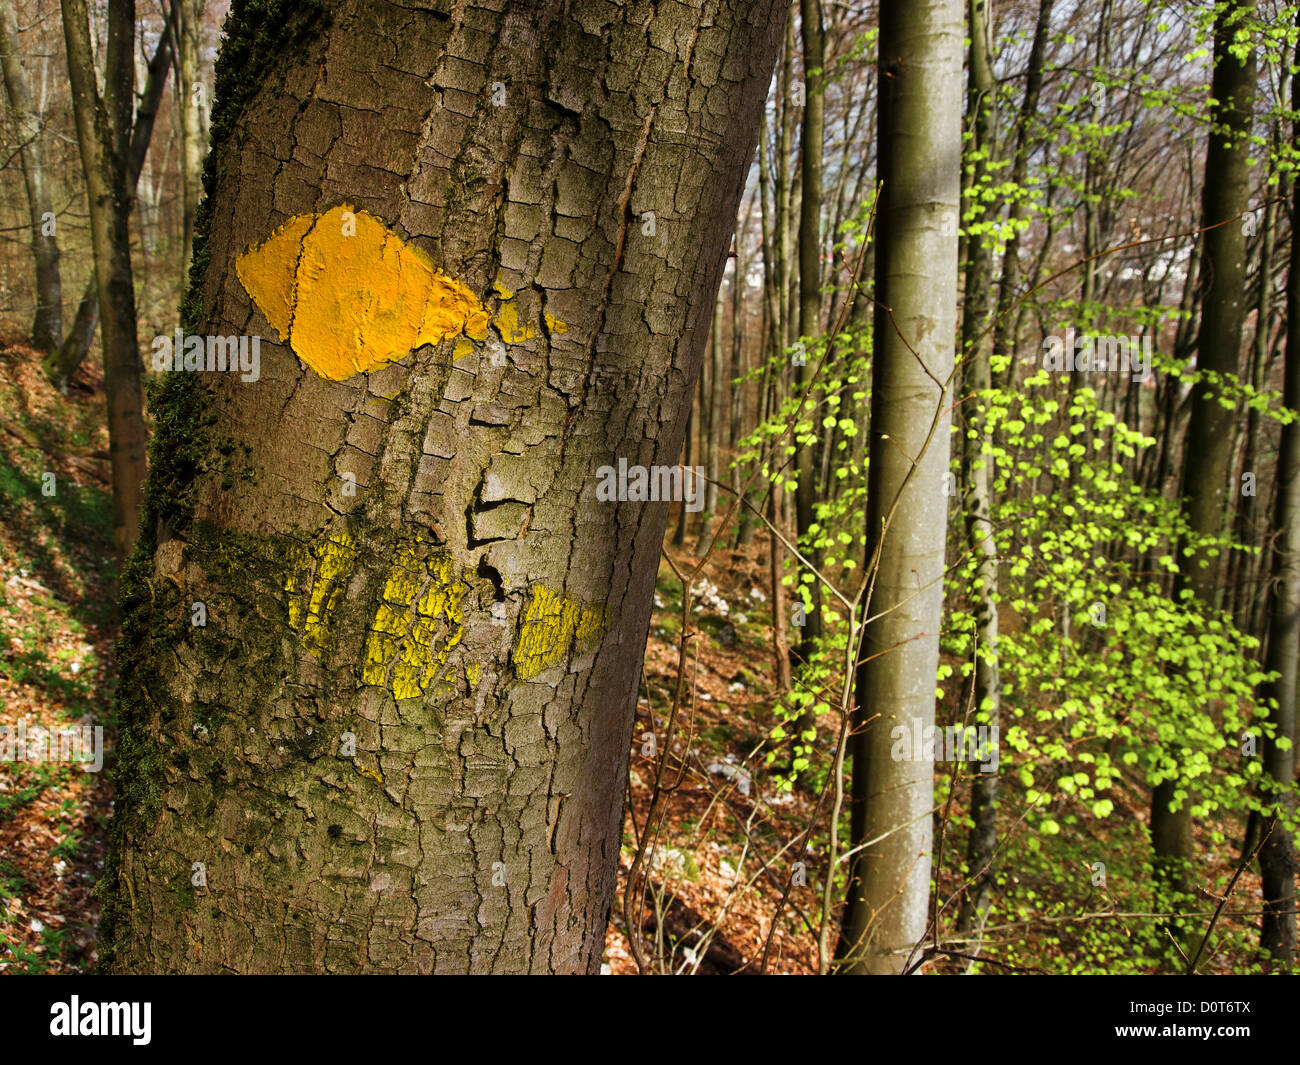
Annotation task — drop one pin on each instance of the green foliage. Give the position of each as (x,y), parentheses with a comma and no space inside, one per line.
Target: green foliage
(1107,671)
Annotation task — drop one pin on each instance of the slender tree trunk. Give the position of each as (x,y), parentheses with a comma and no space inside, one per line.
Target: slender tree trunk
(192,107)
(1242,576)
(63,363)
(919,151)
(103,129)
(717,404)
(1249,566)
(1277,858)
(1006,331)
(679,533)
(780,618)
(1226,196)
(810,295)
(978,503)
(736,424)
(47,321)
(400,742)
(776,284)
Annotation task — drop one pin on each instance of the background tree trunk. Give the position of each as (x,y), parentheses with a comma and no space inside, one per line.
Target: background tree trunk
(976,441)
(810,295)
(1005,331)
(1277,856)
(1226,196)
(47,321)
(191,101)
(63,363)
(400,743)
(103,129)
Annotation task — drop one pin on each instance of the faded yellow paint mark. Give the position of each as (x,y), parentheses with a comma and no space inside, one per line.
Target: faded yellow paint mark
(419,621)
(334,557)
(553,624)
(417,625)
(507,319)
(348,295)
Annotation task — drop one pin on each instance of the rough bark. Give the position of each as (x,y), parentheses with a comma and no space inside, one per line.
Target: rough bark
(919,151)
(477,826)
(47,320)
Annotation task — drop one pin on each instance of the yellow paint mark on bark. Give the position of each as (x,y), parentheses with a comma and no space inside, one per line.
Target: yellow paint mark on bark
(348,295)
(507,319)
(417,625)
(334,557)
(554,624)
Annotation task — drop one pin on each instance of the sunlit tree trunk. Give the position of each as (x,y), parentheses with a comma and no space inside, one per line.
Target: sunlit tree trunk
(919,151)
(191,101)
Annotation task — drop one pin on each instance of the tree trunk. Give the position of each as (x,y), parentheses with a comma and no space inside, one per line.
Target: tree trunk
(775,275)
(47,321)
(810,297)
(739,391)
(400,743)
(63,363)
(103,129)
(679,533)
(1242,576)
(192,106)
(1225,197)
(1277,857)
(1006,333)
(977,507)
(717,403)
(919,151)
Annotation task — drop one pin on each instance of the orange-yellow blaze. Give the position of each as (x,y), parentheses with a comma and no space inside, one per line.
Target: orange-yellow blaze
(348,295)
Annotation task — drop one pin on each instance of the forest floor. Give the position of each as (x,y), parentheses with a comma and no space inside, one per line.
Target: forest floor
(723,888)
(56,636)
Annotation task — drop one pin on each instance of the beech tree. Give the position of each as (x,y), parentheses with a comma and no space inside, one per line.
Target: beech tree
(919,151)
(1277,858)
(977,377)
(382,641)
(1225,198)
